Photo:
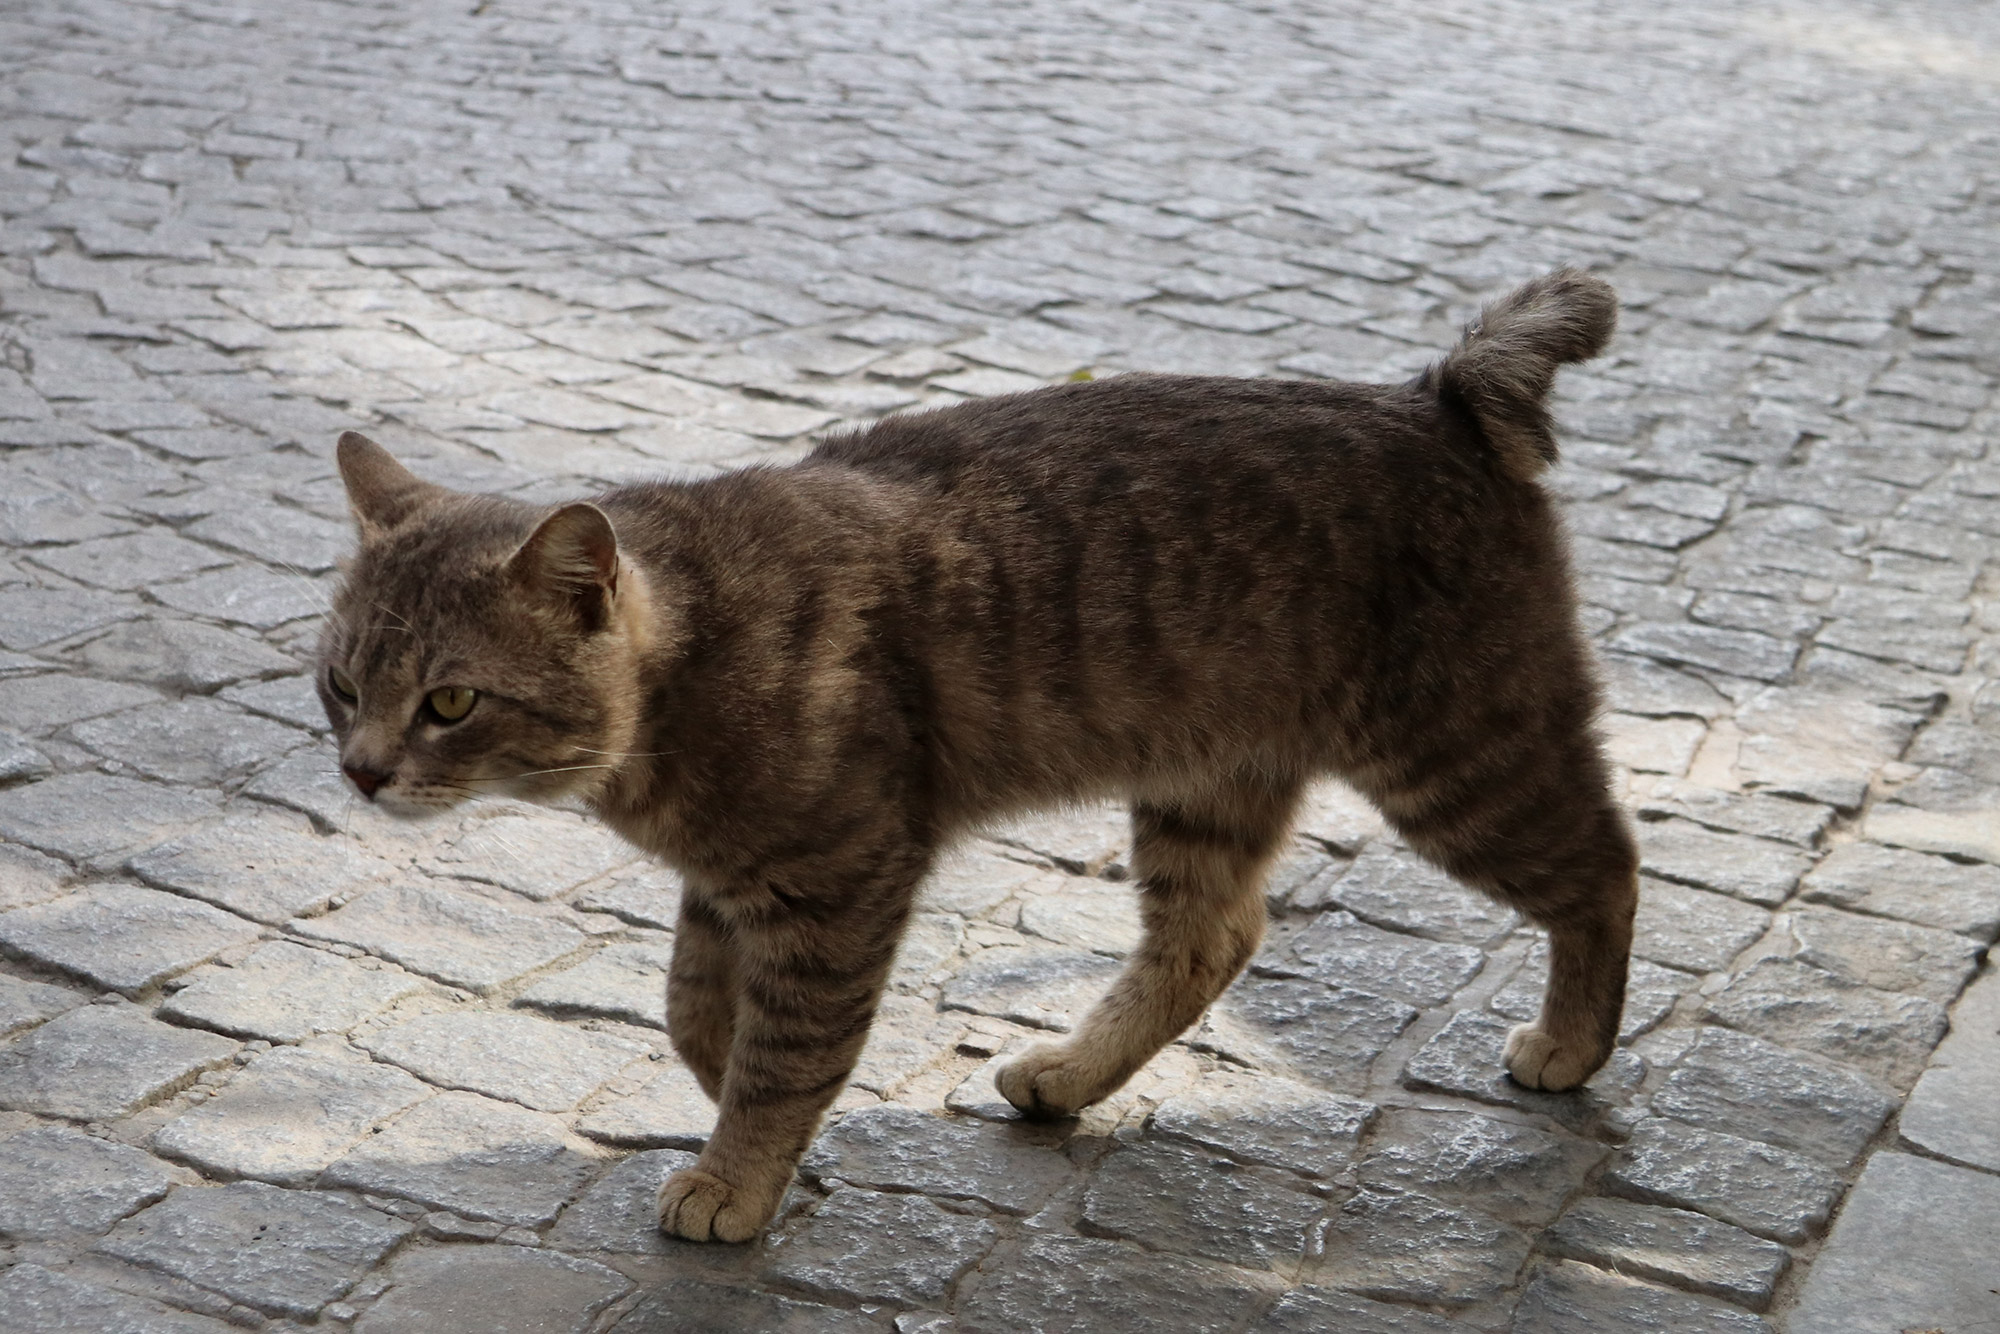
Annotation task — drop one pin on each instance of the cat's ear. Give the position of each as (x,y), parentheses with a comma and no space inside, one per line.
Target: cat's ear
(571,559)
(380,491)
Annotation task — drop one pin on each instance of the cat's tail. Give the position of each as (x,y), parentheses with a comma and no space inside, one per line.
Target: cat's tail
(1505,364)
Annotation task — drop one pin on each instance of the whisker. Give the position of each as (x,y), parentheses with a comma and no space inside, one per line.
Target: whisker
(508,778)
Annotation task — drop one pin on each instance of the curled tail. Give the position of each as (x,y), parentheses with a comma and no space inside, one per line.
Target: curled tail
(1504,366)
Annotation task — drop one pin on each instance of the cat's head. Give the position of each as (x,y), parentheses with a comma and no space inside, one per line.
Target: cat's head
(478,646)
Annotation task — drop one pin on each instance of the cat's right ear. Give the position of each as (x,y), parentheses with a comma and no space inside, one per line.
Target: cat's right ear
(380,491)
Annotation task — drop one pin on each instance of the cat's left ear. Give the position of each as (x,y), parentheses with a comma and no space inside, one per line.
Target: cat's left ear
(571,559)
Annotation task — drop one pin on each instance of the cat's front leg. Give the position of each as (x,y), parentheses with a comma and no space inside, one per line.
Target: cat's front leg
(701,992)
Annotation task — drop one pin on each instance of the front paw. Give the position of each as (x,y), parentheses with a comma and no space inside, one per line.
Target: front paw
(697,1206)
(1046,1083)
(1538,1061)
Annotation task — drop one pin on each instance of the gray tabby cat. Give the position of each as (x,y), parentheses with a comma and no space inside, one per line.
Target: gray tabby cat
(797,686)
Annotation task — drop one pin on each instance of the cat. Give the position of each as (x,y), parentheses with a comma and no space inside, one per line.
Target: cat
(798,685)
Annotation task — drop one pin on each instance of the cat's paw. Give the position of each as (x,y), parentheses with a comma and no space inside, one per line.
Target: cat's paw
(1538,1061)
(699,1207)
(1046,1083)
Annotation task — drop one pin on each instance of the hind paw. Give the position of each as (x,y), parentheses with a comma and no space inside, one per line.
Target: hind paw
(1538,1061)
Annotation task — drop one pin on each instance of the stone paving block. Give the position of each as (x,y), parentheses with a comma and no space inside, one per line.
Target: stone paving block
(1908,1252)
(865,1246)
(288,1115)
(57,1183)
(198,741)
(1881,1033)
(1892,956)
(48,1302)
(1518,1174)
(1464,1058)
(931,945)
(1671,1246)
(101,1062)
(264,864)
(244,595)
(458,938)
(1568,1297)
(289,699)
(1268,1120)
(1950,1112)
(625,981)
(1074,1285)
(88,816)
(286,992)
(1043,986)
(1820,746)
(973,880)
(642,894)
(1326,1035)
(1082,841)
(1395,889)
(39,704)
(474,1156)
(1745,868)
(1341,950)
(682,1304)
(283,1252)
(19,760)
(1651,992)
(1085,913)
(1693,929)
(1759,814)
(1891,882)
(539,856)
(1004,1166)
(908,1036)
(32,617)
(621,1213)
(181,656)
(1169,1197)
(27,876)
(25,1004)
(1763,1189)
(121,936)
(287,538)
(550,1067)
(490,1290)
(1408,1247)
(1741,1085)
(132,561)
(671,1111)
(1740,653)
(1314,1310)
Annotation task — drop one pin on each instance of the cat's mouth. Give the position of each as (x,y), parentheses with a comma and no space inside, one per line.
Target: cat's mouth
(416,803)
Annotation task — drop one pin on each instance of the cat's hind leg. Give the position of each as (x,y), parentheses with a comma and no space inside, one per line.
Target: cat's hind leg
(1201,865)
(701,992)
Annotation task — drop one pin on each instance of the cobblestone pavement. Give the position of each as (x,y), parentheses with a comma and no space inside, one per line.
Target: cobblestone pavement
(275,1063)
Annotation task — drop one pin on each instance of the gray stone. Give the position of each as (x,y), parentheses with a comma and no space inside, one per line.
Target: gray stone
(1887,1035)
(1759,814)
(39,704)
(1651,993)
(1518,1174)
(671,1111)
(1268,1120)
(1742,653)
(1409,1247)
(263,864)
(1085,913)
(1950,1112)
(41,1301)
(1324,1034)
(1341,950)
(931,941)
(291,539)
(102,1062)
(56,1183)
(625,981)
(907,1036)
(490,1290)
(1572,1298)
(1745,868)
(550,1067)
(865,1246)
(181,656)
(120,936)
(1082,841)
(132,561)
(1818,745)
(1672,1246)
(1465,1059)
(1746,1086)
(32,617)
(459,939)
(289,699)
(1169,1197)
(972,881)
(286,993)
(198,741)
(288,1115)
(1054,1284)
(1692,928)
(27,876)
(541,856)
(1393,888)
(473,1156)
(245,595)
(1038,985)
(1907,1252)
(643,895)
(308,780)
(1890,882)
(1311,1310)
(25,1004)
(685,1305)
(283,1252)
(88,816)
(1758,1187)
(19,760)
(1011,1167)
(1892,956)
(621,1213)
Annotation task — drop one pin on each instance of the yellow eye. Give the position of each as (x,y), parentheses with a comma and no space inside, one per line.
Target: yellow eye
(452,702)
(343,684)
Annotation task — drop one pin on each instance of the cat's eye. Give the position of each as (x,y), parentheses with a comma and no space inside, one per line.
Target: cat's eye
(452,702)
(343,684)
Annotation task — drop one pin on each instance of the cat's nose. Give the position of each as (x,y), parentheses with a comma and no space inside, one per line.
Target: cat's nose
(365,779)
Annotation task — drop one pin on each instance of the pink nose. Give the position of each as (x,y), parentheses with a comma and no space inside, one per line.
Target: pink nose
(365,779)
